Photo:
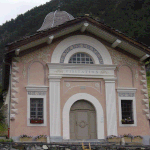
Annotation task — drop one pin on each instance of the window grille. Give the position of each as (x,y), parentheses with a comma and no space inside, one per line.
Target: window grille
(127,109)
(36,108)
(81,58)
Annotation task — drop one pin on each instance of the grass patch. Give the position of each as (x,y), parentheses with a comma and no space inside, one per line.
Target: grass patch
(6,140)
(3,129)
(148,87)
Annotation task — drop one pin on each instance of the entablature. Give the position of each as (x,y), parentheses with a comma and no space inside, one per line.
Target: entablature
(81,70)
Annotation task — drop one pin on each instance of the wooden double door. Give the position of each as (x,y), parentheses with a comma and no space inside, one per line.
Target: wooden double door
(83,121)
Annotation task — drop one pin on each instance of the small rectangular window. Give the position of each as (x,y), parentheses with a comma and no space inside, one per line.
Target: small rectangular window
(36,110)
(127,111)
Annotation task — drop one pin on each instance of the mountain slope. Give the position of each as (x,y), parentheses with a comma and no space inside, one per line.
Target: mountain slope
(131,17)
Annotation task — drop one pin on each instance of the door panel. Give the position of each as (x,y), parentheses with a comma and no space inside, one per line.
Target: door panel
(82,125)
(92,118)
(72,125)
(83,121)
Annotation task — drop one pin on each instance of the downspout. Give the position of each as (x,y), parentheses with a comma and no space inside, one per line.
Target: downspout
(9,102)
(9,98)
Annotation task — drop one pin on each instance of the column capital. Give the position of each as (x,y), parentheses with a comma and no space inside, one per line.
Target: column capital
(110,80)
(54,78)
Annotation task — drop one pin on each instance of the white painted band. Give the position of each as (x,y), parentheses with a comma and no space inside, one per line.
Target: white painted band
(98,108)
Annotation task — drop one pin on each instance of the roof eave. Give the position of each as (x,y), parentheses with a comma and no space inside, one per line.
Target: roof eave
(74,25)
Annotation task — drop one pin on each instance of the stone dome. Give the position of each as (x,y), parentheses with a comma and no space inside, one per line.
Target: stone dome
(55,18)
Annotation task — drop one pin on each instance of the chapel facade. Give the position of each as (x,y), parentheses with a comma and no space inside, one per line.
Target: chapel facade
(76,79)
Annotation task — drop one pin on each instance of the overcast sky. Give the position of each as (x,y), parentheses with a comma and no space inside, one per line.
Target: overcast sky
(11,8)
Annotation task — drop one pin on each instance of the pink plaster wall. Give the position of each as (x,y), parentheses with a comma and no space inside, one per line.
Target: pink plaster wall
(75,84)
(36,71)
(19,125)
(125,78)
(142,127)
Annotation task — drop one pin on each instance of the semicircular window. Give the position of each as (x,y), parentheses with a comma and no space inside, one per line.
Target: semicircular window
(81,58)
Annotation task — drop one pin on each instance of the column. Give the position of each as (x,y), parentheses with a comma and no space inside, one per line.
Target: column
(54,105)
(111,113)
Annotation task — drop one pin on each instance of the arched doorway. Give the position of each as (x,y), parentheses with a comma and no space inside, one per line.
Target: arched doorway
(83,120)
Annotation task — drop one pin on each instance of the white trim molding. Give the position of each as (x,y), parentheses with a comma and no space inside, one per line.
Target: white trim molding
(127,94)
(17,51)
(50,39)
(116,43)
(111,113)
(101,50)
(144,57)
(84,26)
(81,70)
(99,114)
(126,90)
(31,88)
(36,92)
(54,106)
(81,50)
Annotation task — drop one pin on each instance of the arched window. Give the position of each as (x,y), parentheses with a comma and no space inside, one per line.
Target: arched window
(81,58)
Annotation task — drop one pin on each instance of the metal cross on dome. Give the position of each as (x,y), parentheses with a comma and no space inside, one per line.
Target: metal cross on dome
(59,5)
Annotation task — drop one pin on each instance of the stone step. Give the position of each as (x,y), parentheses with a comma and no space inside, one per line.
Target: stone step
(86,142)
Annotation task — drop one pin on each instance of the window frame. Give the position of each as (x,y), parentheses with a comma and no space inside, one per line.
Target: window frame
(37,101)
(89,56)
(44,110)
(126,105)
(134,111)
(81,50)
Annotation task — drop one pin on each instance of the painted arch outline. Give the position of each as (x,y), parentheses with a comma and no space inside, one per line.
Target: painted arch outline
(81,43)
(98,109)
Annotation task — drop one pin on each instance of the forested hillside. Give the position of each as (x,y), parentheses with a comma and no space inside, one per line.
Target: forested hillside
(131,17)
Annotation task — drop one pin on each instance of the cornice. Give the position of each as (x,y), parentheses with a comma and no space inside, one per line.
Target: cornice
(129,90)
(36,88)
(81,66)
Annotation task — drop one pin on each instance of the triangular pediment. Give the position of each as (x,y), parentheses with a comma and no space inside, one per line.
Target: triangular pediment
(83,24)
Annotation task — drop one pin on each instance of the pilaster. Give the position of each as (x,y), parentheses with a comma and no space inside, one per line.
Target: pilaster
(54,102)
(111,106)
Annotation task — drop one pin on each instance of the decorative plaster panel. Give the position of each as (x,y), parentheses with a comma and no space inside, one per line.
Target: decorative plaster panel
(42,54)
(15,69)
(86,40)
(12,116)
(82,84)
(14,100)
(81,71)
(121,59)
(145,96)
(36,93)
(81,45)
(148,116)
(67,84)
(126,95)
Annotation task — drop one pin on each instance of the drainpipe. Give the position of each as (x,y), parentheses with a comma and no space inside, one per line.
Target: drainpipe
(9,98)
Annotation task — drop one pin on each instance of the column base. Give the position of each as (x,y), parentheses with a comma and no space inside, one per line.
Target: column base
(146,140)
(56,138)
